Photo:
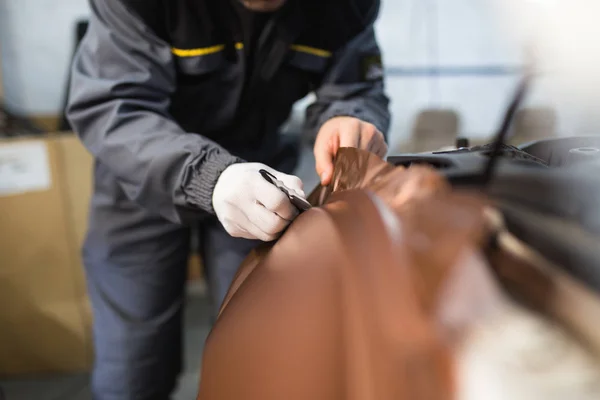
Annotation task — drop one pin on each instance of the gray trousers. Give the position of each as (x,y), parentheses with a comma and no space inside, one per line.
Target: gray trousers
(136,269)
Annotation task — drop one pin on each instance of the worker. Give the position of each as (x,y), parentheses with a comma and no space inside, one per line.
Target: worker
(181,103)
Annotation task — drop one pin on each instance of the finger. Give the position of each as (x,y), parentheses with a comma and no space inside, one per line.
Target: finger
(324,152)
(237,231)
(267,222)
(266,192)
(247,228)
(292,182)
(257,234)
(374,146)
(374,139)
(350,134)
(371,136)
(327,175)
(380,151)
(274,200)
(383,150)
(234,224)
(378,147)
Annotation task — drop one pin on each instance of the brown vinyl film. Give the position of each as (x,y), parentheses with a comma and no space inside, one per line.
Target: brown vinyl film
(343,306)
(372,294)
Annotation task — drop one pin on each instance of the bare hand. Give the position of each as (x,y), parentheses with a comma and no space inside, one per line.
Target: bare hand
(345,132)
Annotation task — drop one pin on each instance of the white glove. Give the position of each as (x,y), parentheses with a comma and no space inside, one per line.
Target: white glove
(250,207)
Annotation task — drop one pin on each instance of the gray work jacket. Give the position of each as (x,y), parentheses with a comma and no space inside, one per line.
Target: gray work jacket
(160,95)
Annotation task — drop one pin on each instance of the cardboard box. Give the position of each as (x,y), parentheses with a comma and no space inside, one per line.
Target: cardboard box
(77,167)
(45,315)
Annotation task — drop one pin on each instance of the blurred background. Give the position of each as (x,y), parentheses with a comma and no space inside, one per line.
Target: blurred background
(458,56)
(451,68)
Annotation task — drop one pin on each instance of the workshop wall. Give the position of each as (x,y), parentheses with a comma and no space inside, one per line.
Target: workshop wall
(442,54)
(463,55)
(36,37)
(455,55)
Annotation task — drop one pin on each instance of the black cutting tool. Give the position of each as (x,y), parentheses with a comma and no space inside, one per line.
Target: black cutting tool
(298,201)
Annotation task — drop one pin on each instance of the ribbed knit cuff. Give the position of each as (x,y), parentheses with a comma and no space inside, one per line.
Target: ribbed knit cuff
(200,188)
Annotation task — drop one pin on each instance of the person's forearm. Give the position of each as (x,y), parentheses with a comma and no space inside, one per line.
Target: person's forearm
(354,85)
(157,164)
(367,102)
(122,79)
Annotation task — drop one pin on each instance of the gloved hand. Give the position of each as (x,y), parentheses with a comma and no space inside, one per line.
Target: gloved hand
(250,207)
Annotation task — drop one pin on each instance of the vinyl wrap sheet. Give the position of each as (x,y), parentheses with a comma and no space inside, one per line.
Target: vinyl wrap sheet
(367,296)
